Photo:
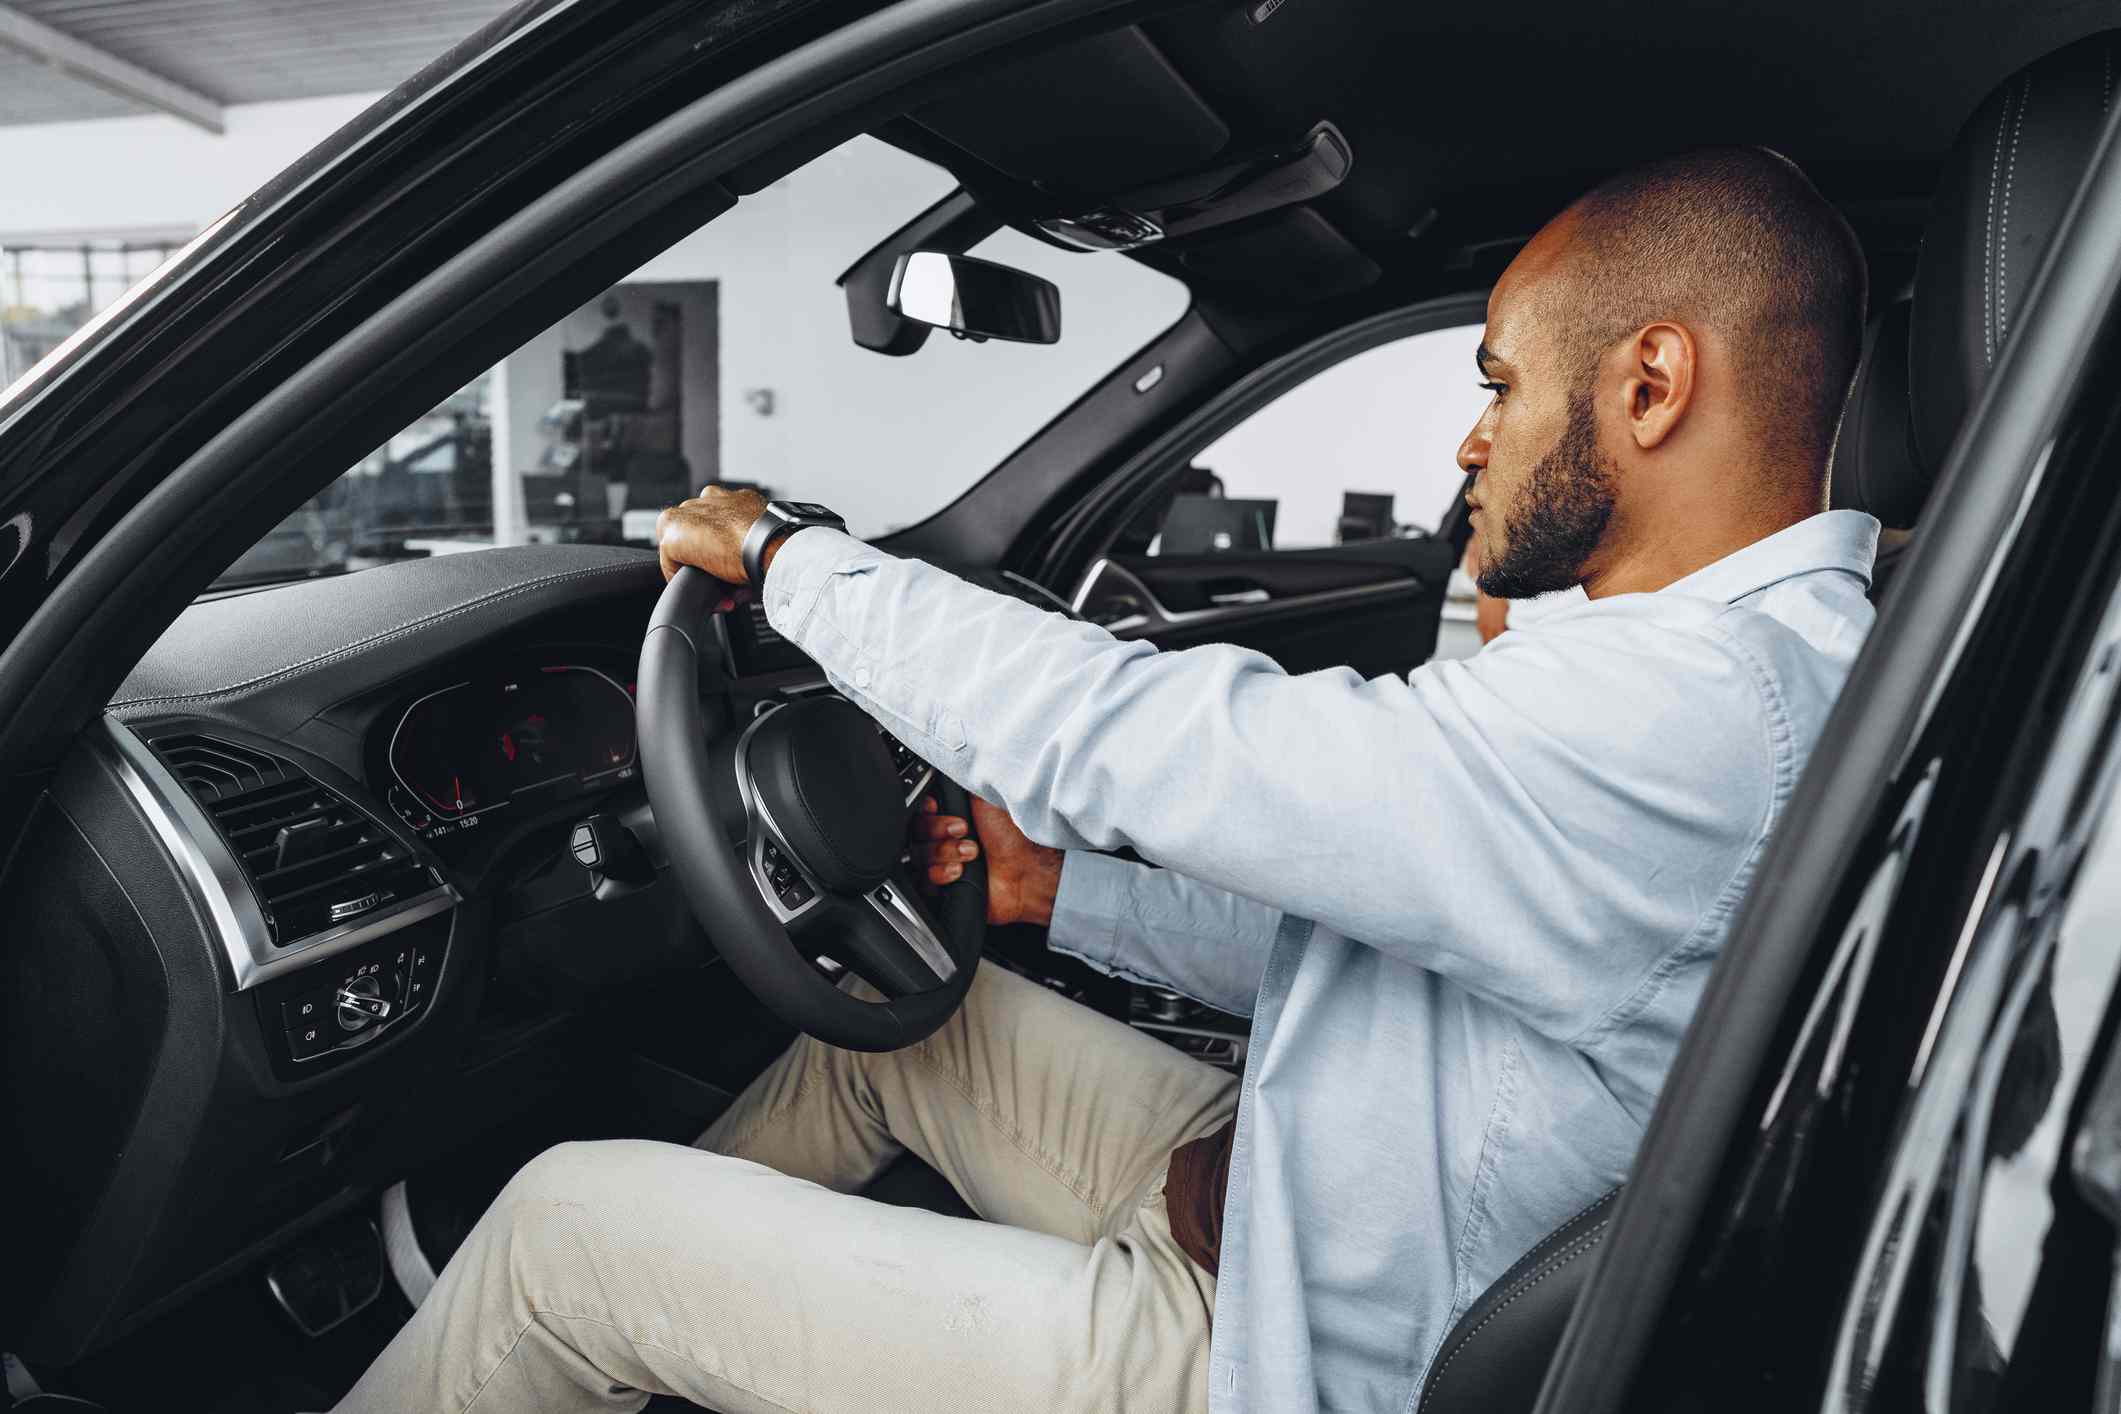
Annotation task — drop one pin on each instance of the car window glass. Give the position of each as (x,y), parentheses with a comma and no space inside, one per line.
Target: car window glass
(1364,450)
(727,358)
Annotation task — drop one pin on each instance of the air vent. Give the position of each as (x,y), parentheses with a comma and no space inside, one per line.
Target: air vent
(315,860)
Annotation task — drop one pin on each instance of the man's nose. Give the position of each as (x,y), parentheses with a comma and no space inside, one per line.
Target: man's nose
(1473,451)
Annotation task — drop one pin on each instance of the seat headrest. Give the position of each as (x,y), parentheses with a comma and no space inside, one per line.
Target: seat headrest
(2005,187)
(1874,467)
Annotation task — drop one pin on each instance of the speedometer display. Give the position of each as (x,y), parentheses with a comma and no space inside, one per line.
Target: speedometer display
(474,746)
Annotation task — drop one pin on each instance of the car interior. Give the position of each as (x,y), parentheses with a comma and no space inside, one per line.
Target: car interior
(354,899)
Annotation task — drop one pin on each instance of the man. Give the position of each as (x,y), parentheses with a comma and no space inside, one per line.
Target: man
(1469,912)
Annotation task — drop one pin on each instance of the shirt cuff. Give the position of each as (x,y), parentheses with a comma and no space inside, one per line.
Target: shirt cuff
(1095,894)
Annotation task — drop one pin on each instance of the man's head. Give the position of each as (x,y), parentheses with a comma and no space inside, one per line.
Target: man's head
(1668,359)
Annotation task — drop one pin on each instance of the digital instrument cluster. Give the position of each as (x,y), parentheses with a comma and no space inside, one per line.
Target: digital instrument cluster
(473,748)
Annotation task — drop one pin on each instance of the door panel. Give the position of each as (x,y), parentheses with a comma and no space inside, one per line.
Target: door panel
(1372,606)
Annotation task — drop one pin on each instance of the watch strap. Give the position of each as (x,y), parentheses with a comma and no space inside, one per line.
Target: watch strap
(778,519)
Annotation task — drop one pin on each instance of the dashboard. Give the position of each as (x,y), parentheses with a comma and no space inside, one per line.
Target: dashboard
(314,894)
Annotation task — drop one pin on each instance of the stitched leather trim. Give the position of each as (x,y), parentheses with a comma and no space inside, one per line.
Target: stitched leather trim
(1988,245)
(2003,234)
(375,639)
(1576,1248)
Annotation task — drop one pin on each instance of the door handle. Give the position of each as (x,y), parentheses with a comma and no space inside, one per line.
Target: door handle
(1146,615)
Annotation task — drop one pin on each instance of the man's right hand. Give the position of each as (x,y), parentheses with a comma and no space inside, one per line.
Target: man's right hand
(1022,877)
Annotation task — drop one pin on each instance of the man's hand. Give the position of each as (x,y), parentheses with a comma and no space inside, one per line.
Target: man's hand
(707,532)
(1022,877)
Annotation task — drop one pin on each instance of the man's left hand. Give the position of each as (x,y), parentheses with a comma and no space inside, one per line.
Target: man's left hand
(707,532)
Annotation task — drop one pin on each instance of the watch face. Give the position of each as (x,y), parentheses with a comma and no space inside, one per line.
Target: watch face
(810,510)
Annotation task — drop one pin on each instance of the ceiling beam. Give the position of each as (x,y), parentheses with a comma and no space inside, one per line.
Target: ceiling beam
(105,70)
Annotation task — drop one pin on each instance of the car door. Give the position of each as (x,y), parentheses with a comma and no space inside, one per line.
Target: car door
(1313,529)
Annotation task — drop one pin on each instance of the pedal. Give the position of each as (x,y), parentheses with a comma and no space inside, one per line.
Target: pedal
(329,1277)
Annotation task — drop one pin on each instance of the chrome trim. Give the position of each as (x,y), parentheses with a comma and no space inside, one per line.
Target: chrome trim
(1158,619)
(216,881)
(211,874)
(1027,582)
(903,917)
(760,829)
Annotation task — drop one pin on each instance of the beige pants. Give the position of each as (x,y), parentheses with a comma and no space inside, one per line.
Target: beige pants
(747,1280)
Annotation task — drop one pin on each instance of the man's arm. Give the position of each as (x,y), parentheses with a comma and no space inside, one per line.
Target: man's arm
(1549,824)
(1158,927)
(1124,919)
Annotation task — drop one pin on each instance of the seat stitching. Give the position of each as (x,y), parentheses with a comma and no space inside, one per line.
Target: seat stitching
(1553,1237)
(2106,76)
(1988,244)
(376,639)
(1569,1254)
(2003,242)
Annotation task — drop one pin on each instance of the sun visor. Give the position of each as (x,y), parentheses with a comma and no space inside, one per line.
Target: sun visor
(1292,257)
(1096,116)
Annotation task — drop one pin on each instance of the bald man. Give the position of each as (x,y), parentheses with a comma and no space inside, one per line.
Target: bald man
(1469,912)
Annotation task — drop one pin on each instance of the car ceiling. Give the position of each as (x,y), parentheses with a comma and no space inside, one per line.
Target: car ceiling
(1470,124)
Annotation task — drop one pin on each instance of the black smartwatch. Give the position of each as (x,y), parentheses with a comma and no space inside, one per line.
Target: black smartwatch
(778,519)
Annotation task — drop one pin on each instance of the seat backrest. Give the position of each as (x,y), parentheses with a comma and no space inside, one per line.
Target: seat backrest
(1494,1359)
(2005,187)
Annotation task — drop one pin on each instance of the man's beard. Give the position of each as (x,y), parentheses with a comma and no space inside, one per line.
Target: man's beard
(1561,514)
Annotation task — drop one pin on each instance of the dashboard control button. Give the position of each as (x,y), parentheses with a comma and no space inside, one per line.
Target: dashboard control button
(305,1010)
(310,1039)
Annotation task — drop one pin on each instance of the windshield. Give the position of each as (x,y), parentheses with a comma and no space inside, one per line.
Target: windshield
(728,359)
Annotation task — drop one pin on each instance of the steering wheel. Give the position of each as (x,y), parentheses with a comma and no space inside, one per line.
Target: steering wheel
(788,839)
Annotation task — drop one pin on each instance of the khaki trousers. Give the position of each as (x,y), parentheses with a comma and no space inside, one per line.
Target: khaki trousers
(741,1275)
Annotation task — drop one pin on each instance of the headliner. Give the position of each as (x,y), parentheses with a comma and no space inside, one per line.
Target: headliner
(1493,116)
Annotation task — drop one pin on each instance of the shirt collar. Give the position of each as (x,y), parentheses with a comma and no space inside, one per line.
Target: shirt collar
(1830,540)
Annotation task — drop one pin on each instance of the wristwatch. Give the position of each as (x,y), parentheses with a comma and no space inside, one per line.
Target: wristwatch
(778,519)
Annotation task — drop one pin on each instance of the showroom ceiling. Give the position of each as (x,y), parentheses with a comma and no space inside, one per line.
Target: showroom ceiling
(68,59)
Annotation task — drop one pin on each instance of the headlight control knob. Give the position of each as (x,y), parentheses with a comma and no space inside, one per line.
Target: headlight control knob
(362,1003)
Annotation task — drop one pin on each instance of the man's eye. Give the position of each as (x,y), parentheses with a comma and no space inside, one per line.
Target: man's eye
(1498,389)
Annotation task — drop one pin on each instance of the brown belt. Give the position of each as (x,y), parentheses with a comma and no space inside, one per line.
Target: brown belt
(1194,1192)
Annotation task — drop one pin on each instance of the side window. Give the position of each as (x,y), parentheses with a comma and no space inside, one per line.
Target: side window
(1365,450)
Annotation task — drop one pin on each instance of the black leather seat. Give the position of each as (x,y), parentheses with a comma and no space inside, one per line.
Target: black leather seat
(2003,192)
(1496,1356)
(2005,188)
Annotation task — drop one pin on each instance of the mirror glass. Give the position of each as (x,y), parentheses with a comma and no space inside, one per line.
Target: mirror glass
(975,299)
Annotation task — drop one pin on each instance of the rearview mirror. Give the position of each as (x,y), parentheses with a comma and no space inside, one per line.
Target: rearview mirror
(975,299)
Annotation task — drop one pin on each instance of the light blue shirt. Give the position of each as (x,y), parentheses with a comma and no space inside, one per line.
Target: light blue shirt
(1469,911)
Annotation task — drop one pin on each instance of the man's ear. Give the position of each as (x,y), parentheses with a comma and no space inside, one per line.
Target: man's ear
(1658,382)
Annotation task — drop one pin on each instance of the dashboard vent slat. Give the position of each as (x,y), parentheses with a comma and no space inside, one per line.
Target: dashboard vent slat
(314,858)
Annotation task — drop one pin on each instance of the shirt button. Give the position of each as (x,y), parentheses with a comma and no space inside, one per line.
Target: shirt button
(861,676)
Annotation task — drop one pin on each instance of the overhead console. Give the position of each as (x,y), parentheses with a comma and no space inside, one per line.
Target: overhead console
(1214,196)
